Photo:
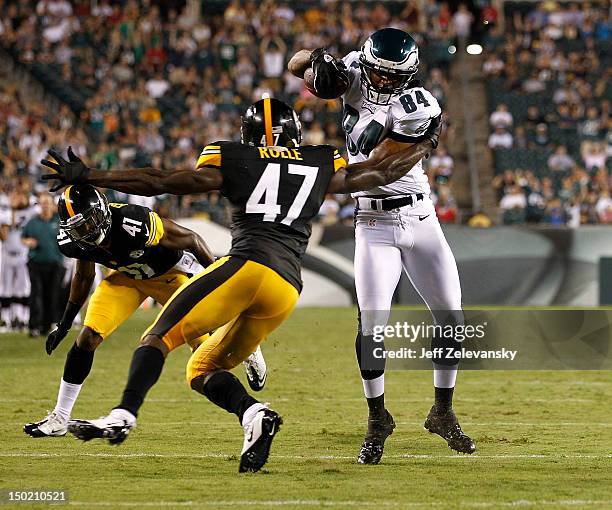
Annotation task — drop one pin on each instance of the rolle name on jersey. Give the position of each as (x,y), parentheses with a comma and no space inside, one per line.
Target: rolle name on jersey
(131,245)
(275,192)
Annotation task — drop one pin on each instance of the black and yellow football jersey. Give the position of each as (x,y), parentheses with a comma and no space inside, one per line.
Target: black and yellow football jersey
(132,246)
(275,193)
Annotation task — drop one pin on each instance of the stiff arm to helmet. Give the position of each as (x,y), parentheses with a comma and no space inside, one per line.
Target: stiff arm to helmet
(151,181)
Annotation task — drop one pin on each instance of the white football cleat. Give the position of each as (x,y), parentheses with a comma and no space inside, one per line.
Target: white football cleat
(258,435)
(256,370)
(115,427)
(51,425)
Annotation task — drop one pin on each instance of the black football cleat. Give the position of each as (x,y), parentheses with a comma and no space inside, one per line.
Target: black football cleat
(446,425)
(111,427)
(379,429)
(258,436)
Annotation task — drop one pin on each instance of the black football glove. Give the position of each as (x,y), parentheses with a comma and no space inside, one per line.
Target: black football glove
(55,337)
(73,171)
(63,326)
(330,74)
(434,130)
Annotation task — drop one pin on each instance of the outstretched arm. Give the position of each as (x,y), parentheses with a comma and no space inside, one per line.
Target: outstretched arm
(152,181)
(137,181)
(382,169)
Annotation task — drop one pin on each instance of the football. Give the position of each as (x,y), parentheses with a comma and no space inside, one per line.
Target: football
(339,89)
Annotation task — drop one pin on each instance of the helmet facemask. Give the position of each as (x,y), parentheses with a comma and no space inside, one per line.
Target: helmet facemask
(397,75)
(89,228)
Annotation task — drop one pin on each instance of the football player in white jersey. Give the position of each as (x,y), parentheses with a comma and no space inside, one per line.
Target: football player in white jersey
(385,112)
(14,277)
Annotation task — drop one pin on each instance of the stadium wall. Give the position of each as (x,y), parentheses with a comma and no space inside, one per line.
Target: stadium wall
(536,266)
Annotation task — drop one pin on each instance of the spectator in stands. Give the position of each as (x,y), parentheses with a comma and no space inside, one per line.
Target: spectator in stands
(462,23)
(45,264)
(593,155)
(591,126)
(534,117)
(493,66)
(446,208)
(500,139)
(560,160)
(513,206)
(441,163)
(555,213)
(536,204)
(603,208)
(328,214)
(520,138)
(501,117)
(540,137)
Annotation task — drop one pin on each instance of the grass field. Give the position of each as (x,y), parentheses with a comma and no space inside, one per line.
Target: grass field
(544,438)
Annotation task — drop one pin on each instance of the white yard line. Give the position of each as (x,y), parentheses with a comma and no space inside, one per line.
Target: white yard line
(520,503)
(299,457)
(493,401)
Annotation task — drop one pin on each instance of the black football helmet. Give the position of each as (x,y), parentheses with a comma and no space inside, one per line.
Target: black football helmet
(84,215)
(392,54)
(269,123)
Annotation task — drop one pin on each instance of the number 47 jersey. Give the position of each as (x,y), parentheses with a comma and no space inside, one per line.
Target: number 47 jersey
(404,119)
(275,192)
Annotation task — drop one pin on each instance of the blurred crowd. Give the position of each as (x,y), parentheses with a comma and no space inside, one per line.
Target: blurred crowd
(550,87)
(151,86)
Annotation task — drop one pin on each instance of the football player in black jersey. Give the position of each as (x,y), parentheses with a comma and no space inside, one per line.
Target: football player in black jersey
(276,188)
(150,256)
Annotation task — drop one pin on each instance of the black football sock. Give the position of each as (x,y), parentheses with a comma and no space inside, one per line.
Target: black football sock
(145,369)
(444,398)
(78,365)
(226,391)
(376,406)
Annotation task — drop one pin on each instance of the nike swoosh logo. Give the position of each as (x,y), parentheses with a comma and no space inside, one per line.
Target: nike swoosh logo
(170,280)
(421,218)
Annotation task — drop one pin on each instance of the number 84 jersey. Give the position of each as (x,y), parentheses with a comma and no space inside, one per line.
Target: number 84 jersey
(404,119)
(131,246)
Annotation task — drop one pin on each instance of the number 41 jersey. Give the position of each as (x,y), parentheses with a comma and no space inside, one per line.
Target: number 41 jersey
(132,245)
(275,192)
(404,119)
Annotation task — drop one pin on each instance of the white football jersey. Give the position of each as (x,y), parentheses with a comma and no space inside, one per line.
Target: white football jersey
(404,119)
(14,250)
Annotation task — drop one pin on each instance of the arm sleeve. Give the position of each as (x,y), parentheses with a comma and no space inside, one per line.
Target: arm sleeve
(210,156)
(339,161)
(156,230)
(412,115)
